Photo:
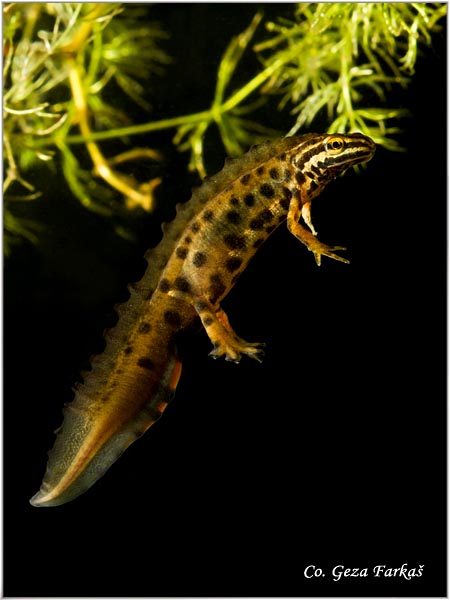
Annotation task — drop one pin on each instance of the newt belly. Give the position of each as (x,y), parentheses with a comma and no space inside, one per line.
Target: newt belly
(202,253)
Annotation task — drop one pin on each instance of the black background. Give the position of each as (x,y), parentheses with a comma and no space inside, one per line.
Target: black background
(332,452)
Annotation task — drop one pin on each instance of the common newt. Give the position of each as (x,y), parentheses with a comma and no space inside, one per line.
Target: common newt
(202,253)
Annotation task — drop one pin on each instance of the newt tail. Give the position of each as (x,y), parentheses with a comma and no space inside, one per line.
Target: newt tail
(202,253)
(106,416)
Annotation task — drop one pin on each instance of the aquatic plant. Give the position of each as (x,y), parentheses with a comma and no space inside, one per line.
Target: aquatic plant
(346,58)
(61,60)
(330,66)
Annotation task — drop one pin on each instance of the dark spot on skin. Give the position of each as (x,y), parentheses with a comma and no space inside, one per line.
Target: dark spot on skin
(146,363)
(313,185)
(282,156)
(164,285)
(249,199)
(201,306)
(274,173)
(260,170)
(259,242)
(172,317)
(287,175)
(128,350)
(267,215)
(144,327)
(229,187)
(234,201)
(233,217)
(208,216)
(199,259)
(217,286)
(300,177)
(245,179)
(233,264)
(264,217)
(187,239)
(284,203)
(208,321)
(182,284)
(235,242)
(267,190)
(287,193)
(195,227)
(181,252)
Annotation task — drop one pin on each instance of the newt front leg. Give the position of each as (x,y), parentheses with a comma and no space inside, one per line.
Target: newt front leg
(309,238)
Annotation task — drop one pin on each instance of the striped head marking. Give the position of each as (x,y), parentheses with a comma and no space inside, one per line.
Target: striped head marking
(322,157)
(343,151)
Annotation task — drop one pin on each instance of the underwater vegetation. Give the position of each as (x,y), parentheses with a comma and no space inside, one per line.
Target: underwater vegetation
(73,70)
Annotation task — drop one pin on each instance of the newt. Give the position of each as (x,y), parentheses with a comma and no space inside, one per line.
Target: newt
(199,259)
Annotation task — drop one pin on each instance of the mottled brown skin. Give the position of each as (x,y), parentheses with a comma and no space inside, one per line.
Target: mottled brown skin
(201,255)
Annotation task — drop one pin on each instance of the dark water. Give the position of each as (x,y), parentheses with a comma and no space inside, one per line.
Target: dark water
(330,453)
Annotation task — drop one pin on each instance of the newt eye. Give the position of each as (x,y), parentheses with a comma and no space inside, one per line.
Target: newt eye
(334,144)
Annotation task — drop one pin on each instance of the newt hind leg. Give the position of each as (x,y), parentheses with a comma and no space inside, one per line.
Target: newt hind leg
(226,342)
(217,326)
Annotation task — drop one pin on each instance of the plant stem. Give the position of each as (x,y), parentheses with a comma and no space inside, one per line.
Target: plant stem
(134,129)
(101,165)
(213,114)
(251,86)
